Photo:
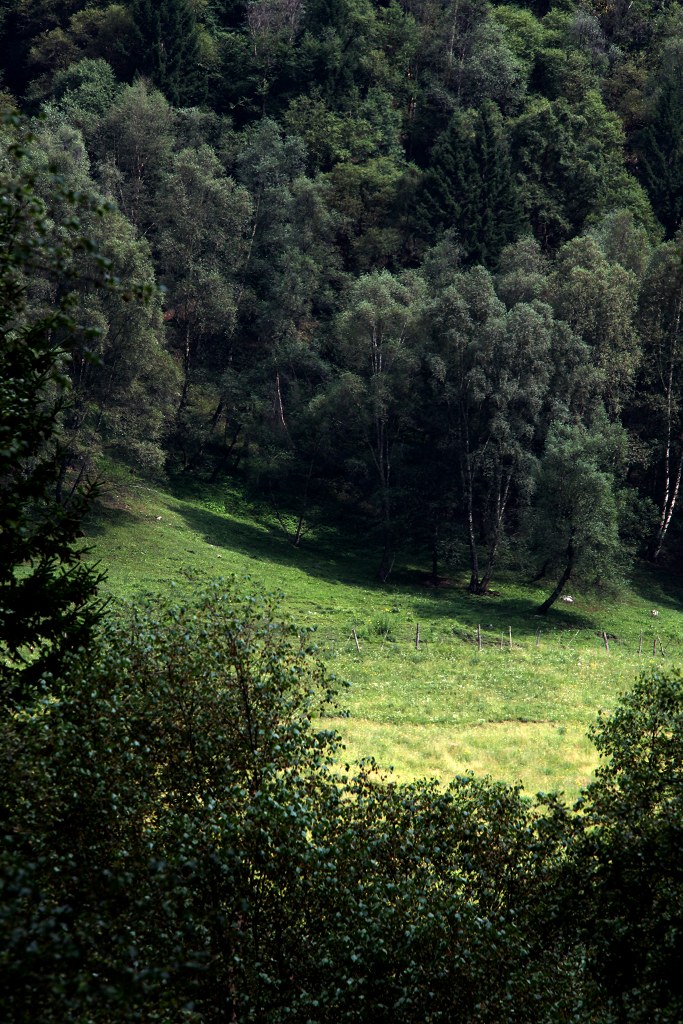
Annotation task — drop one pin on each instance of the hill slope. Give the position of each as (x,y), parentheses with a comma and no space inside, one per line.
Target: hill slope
(517,709)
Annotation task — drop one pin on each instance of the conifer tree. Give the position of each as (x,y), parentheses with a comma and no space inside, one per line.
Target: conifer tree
(661,162)
(48,596)
(169,49)
(446,199)
(499,213)
(470,187)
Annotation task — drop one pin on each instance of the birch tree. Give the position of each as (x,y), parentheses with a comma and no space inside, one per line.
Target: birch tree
(661,383)
(379,332)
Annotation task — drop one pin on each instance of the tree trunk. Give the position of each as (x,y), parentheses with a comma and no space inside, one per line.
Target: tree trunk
(295,540)
(61,476)
(542,572)
(473,586)
(221,461)
(474,555)
(435,552)
(484,582)
(544,608)
(497,532)
(187,364)
(668,506)
(388,558)
(672,479)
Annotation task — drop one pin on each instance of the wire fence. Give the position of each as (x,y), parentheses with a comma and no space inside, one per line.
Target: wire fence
(458,638)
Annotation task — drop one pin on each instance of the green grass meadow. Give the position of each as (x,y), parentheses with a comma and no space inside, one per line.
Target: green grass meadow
(517,710)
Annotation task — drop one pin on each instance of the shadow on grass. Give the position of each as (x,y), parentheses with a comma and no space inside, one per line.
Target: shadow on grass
(346,561)
(657,587)
(104,517)
(348,558)
(494,612)
(342,563)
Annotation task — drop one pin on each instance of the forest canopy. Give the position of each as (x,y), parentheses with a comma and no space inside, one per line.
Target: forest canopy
(398,250)
(416,262)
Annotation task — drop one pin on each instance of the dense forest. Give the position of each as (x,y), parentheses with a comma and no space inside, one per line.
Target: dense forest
(415,262)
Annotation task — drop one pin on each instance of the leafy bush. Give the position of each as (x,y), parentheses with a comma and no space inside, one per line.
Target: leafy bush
(629,863)
(177,844)
(158,817)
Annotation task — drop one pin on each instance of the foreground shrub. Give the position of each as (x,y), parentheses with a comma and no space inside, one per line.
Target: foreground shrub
(178,845)
(628,864)
(157,815)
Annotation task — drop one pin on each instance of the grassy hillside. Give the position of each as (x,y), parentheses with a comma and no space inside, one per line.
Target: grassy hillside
(517,710)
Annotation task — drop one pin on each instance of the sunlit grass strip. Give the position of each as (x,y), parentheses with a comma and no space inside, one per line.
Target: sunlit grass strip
(542,755)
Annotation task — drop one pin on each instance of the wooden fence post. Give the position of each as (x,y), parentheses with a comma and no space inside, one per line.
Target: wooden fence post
(355,637)
(479,636)
(604,637)
(417,637)
(640,643)
(510,635)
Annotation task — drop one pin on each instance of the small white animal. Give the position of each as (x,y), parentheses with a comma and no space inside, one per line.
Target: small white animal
(654,613)
(567,599)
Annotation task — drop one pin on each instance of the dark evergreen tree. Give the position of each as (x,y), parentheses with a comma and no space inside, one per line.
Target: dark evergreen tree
(470,187)
(229,14)
(447,197)
(169,49)
(499,218)
(48,603)
(661,162)
(338,35)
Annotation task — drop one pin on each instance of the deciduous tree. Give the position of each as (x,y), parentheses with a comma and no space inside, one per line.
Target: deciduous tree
(629,888)
(659,404)
(379,332)
(574,520)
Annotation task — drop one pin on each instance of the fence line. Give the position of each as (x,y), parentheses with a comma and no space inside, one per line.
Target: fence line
(421,638)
